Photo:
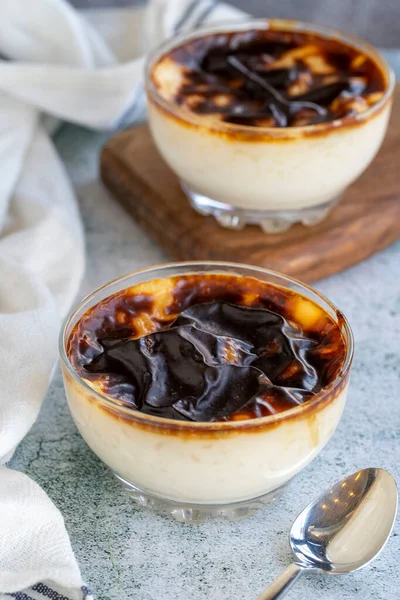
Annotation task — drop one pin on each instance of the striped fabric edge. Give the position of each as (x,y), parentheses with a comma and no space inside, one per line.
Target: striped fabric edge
(41,591)
(208,8)
(195,14)
(185,15)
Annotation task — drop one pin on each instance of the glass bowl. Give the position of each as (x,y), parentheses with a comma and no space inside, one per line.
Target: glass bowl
(268,176)
(194,469)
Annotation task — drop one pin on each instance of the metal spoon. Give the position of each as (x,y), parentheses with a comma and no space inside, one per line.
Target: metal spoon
(343,530)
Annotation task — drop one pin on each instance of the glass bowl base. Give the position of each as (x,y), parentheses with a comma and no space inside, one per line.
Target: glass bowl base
(191,513)
(232,217)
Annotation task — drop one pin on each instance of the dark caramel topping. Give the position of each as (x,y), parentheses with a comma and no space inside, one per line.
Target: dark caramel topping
(271,78)
(207,348)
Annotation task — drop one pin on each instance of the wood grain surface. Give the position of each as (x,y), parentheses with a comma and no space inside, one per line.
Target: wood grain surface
(366,219)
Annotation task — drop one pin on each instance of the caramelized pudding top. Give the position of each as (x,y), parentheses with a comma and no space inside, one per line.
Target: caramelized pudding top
(207,347)
(269,78)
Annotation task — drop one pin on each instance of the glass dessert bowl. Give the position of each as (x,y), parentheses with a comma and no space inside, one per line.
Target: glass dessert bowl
(205,387)
(267,121)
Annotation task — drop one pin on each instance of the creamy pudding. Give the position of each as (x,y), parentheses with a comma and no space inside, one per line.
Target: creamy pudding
(268,121)
(205,384)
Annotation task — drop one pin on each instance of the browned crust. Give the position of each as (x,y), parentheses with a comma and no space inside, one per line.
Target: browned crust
(274,135)
(184,430)
(174,295)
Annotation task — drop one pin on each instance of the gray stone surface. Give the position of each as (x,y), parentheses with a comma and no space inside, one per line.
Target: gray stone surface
(126,553)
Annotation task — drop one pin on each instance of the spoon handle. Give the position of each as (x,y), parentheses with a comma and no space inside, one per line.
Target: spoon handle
(282,584)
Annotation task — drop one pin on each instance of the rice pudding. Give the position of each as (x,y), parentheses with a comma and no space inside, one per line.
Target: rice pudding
(205,384)
(269,121)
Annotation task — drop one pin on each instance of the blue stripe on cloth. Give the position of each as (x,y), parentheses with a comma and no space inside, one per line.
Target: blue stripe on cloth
(206,13)
(87,593)
(47,592)
(186,14)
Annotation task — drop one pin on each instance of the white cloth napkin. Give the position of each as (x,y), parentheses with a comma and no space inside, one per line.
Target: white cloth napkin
(54,63)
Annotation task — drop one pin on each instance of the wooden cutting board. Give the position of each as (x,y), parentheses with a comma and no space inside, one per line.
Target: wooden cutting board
(366,220)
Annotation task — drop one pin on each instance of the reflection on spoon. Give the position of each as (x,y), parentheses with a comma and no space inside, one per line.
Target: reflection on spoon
(343,530)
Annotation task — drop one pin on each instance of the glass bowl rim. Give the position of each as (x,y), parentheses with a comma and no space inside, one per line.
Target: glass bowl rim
(198,426)
(265,23)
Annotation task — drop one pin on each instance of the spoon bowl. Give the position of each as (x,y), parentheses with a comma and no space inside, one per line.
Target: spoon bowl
(347,527)
(343,530)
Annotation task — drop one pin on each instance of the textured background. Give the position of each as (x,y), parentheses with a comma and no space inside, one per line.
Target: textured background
(378,21)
